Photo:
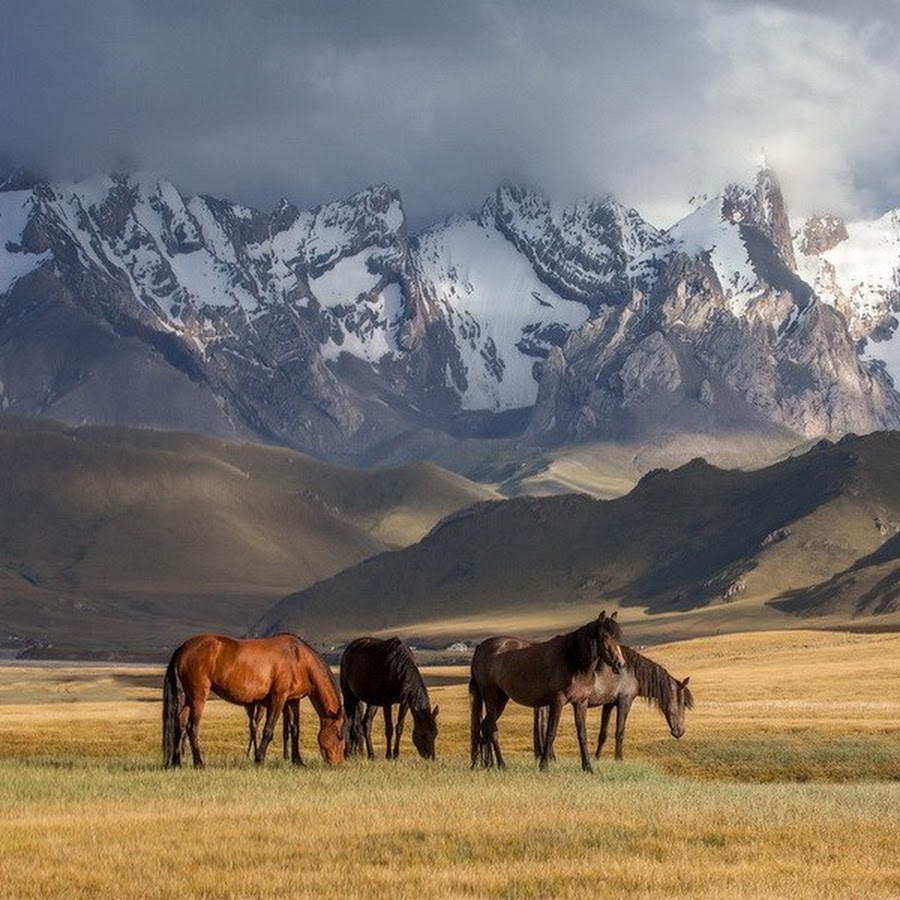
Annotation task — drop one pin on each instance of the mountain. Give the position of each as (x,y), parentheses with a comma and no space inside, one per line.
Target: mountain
(688,551)
(337,332)
(855,267)
(122,541)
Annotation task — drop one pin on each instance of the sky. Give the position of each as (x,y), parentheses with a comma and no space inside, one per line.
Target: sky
(650,100)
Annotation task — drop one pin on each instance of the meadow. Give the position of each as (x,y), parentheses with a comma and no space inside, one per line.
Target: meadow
(785,784)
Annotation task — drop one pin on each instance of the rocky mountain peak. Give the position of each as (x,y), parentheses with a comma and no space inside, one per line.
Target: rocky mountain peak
(819,234)
(581,249)
(761,205)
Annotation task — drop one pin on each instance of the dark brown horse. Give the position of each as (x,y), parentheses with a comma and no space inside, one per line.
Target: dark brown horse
(550,673)
(271,671)
(641,677)
(381,673)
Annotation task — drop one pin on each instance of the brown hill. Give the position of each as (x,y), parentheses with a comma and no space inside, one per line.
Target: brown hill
(123,541)
(697,545)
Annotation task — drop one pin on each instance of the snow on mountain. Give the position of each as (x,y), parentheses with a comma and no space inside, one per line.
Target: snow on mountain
(581,250)
(706,234)
(855,267)
(501,314)
(335,331)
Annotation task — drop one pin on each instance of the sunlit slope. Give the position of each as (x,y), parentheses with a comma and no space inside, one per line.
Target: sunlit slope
(115,539)
(696,549)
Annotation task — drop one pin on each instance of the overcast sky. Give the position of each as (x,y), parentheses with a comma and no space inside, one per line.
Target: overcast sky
(653,100)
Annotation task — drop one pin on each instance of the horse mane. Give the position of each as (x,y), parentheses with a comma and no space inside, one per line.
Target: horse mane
(653,679)
(400,666)
(582,646)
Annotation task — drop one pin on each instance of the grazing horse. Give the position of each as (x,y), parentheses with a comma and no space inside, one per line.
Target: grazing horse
(271,671)
(550,673)
(641,677)
(381,673)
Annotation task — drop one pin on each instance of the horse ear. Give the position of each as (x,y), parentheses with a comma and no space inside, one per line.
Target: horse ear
(614,614)
(435,711)
(684,683)
(602,615)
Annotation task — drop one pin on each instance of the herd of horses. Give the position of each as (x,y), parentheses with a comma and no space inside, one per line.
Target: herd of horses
(588,667)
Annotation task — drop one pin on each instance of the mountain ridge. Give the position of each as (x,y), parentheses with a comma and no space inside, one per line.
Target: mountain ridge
(337,332)
(690,550)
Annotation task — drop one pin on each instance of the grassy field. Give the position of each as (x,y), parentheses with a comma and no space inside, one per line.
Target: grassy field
(785,784)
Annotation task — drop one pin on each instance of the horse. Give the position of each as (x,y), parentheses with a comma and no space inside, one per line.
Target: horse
(641,677)
(381,673)
(548,673)
(271,671)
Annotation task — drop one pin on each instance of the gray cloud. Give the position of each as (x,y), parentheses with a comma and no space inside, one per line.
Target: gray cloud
(651,99)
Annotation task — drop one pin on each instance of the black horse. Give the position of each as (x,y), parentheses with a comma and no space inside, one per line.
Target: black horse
(380,673)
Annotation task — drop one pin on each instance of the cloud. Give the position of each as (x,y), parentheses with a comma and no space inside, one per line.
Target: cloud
(650,99)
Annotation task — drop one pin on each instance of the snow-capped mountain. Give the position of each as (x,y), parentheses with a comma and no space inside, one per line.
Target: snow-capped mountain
(855,267)
(336,331)
(720,331)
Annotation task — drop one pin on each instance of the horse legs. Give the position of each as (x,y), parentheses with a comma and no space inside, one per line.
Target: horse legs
(622,710)
(367,729)
(190,717)
(254,714)
(579,708)
(494,703)
(292,732)
(273,711)
(554,712)
(401,715)
(604,727)
(476,711)
(388,728)
(538,727)
(539,733)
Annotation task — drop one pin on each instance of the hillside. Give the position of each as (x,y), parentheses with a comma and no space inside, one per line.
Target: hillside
(695,550)
(124,541)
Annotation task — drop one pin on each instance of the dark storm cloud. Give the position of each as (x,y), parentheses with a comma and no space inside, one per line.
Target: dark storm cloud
(652,99)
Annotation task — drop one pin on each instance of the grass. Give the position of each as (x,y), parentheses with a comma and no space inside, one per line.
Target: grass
(784,785)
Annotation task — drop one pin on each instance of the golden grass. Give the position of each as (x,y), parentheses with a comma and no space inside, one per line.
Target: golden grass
(86,810)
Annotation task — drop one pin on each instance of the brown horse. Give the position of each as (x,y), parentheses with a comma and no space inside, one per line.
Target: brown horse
(272,671)
(641,677)
(550,673)
(381,673)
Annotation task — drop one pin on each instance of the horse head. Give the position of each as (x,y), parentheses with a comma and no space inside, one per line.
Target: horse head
(332,737)
(680,700)
(425,731)
(610,639)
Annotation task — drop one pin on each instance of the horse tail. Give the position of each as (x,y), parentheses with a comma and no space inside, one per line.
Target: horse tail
(477,709)
(171,732)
